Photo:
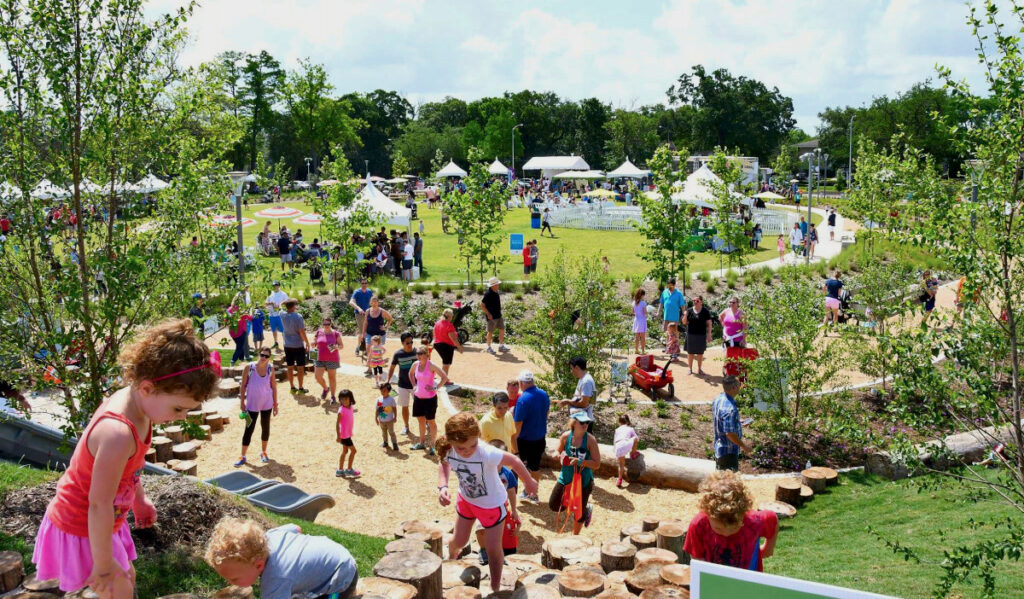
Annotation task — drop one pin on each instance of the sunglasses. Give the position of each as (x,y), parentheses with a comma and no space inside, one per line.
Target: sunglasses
(265,355)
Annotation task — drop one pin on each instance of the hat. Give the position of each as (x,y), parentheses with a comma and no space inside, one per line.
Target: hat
(277,283)
(525,376)
(197,296)
(581,416)
(491,282)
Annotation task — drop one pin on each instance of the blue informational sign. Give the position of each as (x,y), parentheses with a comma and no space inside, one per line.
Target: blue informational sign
(515,243)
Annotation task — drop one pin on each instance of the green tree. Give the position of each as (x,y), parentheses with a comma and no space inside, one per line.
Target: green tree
(629,134)
(385,114)
(478,215)
(498,137)
(399,165)
(450,112)
(728,203)
(666,226)
(263,81)
(419,142)
(318,121)
(589,133)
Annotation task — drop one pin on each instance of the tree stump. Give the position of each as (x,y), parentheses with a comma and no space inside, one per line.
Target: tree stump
(650,523)
(422,531)
(181,596)
(815,479)
(11,570)
(643,577)
(459,573)
(539,577)
(215,422)
(85,593)
(445,526)
(560,552)
(175,433)
(653,554)
(580,583)
(384,587)
(233,592)
(35,585)
(536,591)
(185,451)
(616,581)
(831,476)
(806,494)
(670,536)
(172,463)
(162,445)
(151,455)
(195,417)
(228,388)
(595,568)
(523,564)
(501,594)
(788,491)
(676,575)
(630,530)
(186,467)
(421,569)
(616,594)
(20,593)
(781,509)
(666,591)
(399,545)
(206,430)
(509,581)
(617,555)
(644,540)
(462,592)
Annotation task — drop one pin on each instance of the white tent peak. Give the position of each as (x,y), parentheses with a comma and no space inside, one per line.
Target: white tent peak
(497,168)
(628,170)
(150,184)
(380,205)
(556,163)
(451,170)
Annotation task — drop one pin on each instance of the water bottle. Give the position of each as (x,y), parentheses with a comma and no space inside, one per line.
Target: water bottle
(808,465)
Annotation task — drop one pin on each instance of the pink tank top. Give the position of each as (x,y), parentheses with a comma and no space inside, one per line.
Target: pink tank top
(259,395)
(424,382)
(731,325)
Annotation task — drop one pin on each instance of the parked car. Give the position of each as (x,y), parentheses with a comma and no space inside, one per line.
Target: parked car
(300,185)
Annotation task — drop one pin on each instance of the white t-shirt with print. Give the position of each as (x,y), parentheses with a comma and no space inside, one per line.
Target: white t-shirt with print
(277,298)
(479,479)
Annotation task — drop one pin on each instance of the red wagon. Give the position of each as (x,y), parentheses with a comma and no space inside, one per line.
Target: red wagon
(649,377)
(736,359)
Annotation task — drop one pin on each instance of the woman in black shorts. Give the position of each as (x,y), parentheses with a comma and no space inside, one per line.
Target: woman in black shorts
(424,399)
(446,339)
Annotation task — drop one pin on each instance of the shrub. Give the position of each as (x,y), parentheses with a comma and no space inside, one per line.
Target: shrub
(459,295)
(435,293)
(418,288)
(407,294)
(711,286)
(705,276)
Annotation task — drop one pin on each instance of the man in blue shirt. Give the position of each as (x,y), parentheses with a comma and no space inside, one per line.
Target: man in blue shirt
(672,302)
(531,418)
(360,302)
(803,226)
(725,415)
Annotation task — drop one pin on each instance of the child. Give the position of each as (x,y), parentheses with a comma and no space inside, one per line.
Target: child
(385,416)
(258,318)
(510,532)
(512,388)
(626,442)
(286,562)
(782,249)
(346,422)
(672,339)
(482,495)
(640,321)
(376,360)
(83,538)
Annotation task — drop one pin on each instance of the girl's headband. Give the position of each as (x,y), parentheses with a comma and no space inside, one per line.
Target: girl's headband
(213,363)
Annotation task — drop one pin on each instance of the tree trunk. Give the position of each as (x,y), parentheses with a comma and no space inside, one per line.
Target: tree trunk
(11,570)
(421,569)
(561,552)
(788,491)
(580,583)
(618,555)
(814,479)
(650,523)
(384,587)
(175,433)
(644,540)
(215,422)
(151,455)
(670,536)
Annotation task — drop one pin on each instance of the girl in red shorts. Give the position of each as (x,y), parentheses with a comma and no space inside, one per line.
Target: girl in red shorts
(482,495)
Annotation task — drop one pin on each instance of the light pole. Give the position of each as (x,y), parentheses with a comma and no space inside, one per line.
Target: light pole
(849,168)
(367,164)
(308,160)
(514,148)
(240,178)
(810,158)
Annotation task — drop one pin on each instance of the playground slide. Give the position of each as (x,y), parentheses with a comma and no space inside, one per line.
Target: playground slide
(291,501)
(240,483)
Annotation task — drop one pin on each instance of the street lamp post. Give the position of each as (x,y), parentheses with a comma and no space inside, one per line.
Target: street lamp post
(514,148)
(849,168)
(308,160)
(240,178)
(813,159)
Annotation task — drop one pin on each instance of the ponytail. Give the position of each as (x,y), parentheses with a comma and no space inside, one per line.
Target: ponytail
(442,446)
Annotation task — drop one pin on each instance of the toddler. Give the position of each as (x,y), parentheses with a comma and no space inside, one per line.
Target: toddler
(386,415)
(781,245)
(626,443)
(286,562)
(376,360)
(672,339)
(346,422)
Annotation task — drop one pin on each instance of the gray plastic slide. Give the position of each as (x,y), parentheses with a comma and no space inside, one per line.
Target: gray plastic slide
(291,501)
(241,483)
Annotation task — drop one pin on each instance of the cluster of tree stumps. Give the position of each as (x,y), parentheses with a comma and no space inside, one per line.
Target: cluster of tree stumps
(174,448)
(792,493)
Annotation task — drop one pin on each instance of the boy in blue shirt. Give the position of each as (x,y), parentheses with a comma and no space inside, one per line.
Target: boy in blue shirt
(257,323)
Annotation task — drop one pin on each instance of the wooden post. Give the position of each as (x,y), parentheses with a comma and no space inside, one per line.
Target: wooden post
(186,467)
(617,555)
(399,545)
(12,572)
(151,455)
(185,451)
(206,431)
(423,531)
(558,553)
(643,577)
(650,523)
(384,587)
(644,540)
(536,591)
(630,530)
(215,422)
(676,574)
(815,479)
(462,592)
(459,573)
(788,491)
(162,445)
(175,433)
(653,554)
(580,583)
(421,569)
(671,537)
(665,591)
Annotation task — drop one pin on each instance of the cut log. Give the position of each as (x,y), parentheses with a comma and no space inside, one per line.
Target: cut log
(542,577)
(523,565)
(595,568)
(580,583)
(501,594)
(630,530)
(206,431)
(446,541)
(815,479)
(536,591)
(781,509)
(831,476)
(185,451)
(650,523)
(560,552)
(215,422)
(181,596)
(399,545)
(666,591)
(445,526)
(644,540)
(655,555)
(509,580)
(384,587)
(424,531)
(618,555)
(788,491)
(806,494)
(151,455)
(434,541)
(228,388)
(676,575)
(195,417)
(616,581)
(616,594)
(670,536)
(459,573)
(12,572)
(186,467)
(233,592)
(35,585)
(225,419)
(175,433)
(162,445)
(421,569)
(643,577)
(462,592)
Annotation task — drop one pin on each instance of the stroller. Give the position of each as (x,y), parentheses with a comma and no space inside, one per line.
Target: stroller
(460,313)
(316,273)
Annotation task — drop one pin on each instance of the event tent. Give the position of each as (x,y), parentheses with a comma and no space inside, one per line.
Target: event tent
(588,175)
(497,168)
(151,184)
(768,195)
(552,165)
(380,205)
(628,170)
(698,191)
(451,170)
(48,191)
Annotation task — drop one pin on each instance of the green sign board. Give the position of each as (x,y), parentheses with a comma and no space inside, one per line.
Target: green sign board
(712,581)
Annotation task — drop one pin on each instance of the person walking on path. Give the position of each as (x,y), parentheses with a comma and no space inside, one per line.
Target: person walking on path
(545,223)
(424,402)
(929,289)
(796,240)
(577,450)
(499,424)
(385,416)
(832,303)
(328,358)
(725,416)
(639,321)
(344,427)
(697,321)
(276,299)
(404,358)
(491,304)
(417,249)
(258,396)
(239,334)
(296,345)
(586,391)
(781,245)
(672,303)
(376,321)
(531,420)
(733,326)
(360,302)
(832,224)
(812,241)
(446,339)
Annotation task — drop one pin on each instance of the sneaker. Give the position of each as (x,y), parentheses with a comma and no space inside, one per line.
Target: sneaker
(339,473)
(483,556)
(395,446)
(334,399)
(618,483)
(503,347)
(240,462)
(264,458)
(323,395)
(430,451)
(418,446)
(490,350)
(587,515)
(384,445)
(303,391)
(405,431)
(294,390)
(355,473)
(534,499)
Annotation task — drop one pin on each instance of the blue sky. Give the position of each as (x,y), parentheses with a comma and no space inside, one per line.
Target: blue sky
(819,52)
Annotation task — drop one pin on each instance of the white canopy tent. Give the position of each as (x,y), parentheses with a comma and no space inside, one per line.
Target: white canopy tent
(379,204)
(588,175)
(552,165)
(46,190)
(451,170)
(627,170)
(698,190)
(151,184)
(497,168)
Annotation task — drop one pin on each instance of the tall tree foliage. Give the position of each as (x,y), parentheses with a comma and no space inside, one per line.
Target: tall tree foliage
(478,215)
(263,82)
(666,225)
(629,135)
(318,120)
(729,224)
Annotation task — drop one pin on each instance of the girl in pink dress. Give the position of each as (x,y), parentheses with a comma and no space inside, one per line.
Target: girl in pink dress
(346,423)
(640,321)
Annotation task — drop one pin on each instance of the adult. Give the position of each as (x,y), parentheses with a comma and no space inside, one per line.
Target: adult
(832,303)
(929,289)
(284,250)
(239,334)
(584,397)
(578,452)
(491,305)
(258,398)
(531,420)
(404,359)
(796,239)
(526,261)
(446,339)
(534,255)
(832,224)
(727,530)
(376,322)
(756,236)
(360,302)
(812,240)
(424,402)
(733,326)
(803,226)
(408,254)
(266,230)
(725,417)
(672,302)
(328,358)
(276,299)
(545,223)
(697,321)
(417,249)
(296,344)
(498,424)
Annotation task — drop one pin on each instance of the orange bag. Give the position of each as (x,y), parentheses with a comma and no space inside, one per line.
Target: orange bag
(572,502)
